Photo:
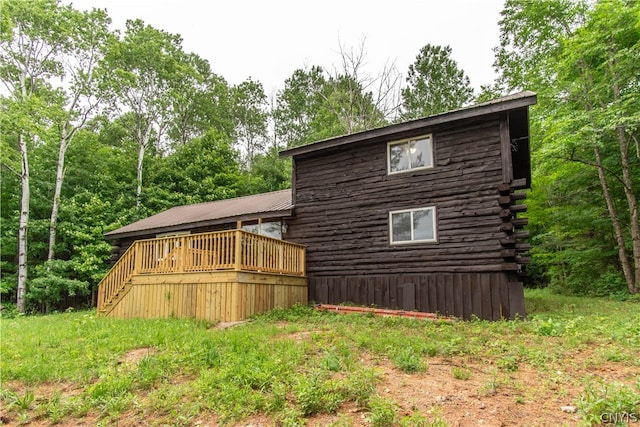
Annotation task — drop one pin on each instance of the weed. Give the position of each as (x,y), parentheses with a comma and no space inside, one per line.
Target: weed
(209,354)
(150,370)
(612,355)
(408,360)
(419,420)
(508,364)
(382,412)
(111,386)
(53,410)
(361,386)
(331,362)
(293,314)
(316,395)
(22,404)
(291,417)
(461,373)
(549,327)
(24,418)
(343,421)
(602,402)
(492,385)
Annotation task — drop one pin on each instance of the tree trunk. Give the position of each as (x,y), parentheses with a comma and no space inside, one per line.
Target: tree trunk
(143,139)
(622,250)
(64,144)
(633,281)
(633,209)
(65,139)
(22,230)
(139,176)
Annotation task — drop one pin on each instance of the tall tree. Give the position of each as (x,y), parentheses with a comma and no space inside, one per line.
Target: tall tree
(319,103)
(435,84)
(28,59)
(205,169)
(144,68)
(297,107)
(598,71)
(361,100)
(201,100)
(582,60)
(530,40)
(250,115)
(78,89)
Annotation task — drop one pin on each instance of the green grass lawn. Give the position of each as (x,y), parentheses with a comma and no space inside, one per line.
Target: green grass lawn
(292,367)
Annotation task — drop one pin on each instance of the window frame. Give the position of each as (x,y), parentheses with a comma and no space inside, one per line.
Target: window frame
(428,136)
(413,241)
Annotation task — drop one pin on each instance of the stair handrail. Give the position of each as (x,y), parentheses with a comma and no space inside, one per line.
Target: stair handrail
(116,278)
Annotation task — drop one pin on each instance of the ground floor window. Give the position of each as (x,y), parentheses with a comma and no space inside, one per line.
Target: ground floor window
(271,229)
(413,225)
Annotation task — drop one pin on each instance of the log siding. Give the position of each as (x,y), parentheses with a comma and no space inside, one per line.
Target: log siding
(344,195)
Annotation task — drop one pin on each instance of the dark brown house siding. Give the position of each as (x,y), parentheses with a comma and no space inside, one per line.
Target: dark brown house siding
(343,196)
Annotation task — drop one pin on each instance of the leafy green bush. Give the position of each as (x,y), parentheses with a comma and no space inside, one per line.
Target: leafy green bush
(52,286)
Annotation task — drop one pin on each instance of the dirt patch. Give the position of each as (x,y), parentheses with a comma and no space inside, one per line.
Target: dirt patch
(302,335)
(487,397)
(135,356)
(227,325)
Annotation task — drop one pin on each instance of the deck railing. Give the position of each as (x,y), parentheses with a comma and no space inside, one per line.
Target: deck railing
(224,250)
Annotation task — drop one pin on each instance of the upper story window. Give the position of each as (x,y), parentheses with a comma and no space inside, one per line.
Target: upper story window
(413,225)
(410,154)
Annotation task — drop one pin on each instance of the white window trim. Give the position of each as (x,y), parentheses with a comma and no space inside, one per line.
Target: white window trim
(407,140)
(412,241)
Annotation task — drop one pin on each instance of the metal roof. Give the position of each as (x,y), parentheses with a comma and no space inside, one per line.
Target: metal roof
(506,103)
(274,204)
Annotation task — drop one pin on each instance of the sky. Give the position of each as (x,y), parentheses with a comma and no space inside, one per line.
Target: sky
(268,40)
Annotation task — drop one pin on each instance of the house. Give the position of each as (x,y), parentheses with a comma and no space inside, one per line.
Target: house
(420,215)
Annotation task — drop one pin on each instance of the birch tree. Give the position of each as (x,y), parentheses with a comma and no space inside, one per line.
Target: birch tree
(78,90)
(35,32)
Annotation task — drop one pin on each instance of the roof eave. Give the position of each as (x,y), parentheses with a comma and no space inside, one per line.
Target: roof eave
(113,235)
(512,102)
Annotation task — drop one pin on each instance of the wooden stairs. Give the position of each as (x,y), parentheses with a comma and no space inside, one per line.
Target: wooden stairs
(115,299)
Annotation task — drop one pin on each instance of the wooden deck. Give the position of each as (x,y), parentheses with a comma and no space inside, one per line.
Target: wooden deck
(220,276)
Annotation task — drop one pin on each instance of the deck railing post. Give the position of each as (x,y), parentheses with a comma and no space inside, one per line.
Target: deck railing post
(238,260)
(261,252)
(182,259)
(137,267)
